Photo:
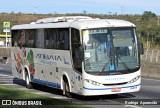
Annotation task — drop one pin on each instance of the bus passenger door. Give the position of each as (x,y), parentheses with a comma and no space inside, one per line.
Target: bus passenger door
(76,79)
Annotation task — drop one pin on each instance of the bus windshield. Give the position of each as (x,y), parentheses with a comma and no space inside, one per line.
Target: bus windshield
(110,51)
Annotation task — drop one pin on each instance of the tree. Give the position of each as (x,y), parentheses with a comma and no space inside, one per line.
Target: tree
(84,12)
(148,15)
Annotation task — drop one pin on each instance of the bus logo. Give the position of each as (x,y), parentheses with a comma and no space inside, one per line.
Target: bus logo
(52,58)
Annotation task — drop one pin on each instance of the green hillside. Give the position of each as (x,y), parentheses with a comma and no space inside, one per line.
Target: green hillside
(148,24)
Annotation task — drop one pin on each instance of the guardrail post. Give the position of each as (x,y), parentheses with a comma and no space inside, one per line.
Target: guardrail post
(157,56)
(146,55)
(151,57)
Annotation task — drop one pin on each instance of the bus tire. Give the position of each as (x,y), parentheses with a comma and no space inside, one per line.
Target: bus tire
(28,83)
(66,90)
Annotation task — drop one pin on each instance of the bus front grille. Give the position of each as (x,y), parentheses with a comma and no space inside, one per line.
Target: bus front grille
(115,84)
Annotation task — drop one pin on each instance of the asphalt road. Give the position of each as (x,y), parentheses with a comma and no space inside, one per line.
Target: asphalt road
(150,90)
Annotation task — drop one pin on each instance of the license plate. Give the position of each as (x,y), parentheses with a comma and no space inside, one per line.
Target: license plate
(116,89)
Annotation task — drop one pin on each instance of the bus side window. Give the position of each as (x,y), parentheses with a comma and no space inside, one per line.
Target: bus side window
(63,39)
(47,35)
(66,39)
(55,40)
(39,40)
(15,38)
(30,38)
(50,38)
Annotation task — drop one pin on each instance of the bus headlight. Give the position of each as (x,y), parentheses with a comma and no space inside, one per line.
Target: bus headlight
(92,82)
(134,80)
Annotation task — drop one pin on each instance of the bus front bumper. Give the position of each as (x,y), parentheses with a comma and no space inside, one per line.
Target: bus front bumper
(110,90)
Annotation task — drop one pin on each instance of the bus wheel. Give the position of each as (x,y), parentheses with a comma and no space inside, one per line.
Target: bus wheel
(28,83)
(66,90)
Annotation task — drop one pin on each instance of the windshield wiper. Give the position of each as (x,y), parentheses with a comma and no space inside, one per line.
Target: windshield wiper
(111,72)
(124,64)
(88,57)
(104,67)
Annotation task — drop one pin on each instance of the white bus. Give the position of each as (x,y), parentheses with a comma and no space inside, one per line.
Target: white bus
(78,54)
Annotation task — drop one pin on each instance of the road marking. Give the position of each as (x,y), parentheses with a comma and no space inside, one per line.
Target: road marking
(59,97)
(132,106)
(6,75)
(6,81)
(8,84)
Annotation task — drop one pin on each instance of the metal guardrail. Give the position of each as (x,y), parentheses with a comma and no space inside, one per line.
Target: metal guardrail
(151,63)
(152,56)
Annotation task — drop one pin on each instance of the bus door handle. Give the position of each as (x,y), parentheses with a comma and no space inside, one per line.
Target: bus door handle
(56,69)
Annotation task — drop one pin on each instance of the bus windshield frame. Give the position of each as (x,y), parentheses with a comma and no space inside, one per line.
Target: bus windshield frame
(110,51)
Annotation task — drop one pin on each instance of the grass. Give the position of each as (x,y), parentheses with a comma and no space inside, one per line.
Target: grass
(7,92)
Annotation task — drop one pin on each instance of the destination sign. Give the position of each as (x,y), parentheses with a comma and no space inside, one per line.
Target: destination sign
(95,31)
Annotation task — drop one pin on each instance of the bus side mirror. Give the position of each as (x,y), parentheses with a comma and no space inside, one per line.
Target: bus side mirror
(141,48)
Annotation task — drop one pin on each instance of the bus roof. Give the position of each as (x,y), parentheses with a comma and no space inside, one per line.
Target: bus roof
(79,22)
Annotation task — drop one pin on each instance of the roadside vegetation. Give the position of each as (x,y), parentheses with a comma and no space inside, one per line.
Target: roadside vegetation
(10,93)
(148,24)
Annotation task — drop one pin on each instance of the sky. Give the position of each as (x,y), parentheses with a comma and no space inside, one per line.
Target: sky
(79,6)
